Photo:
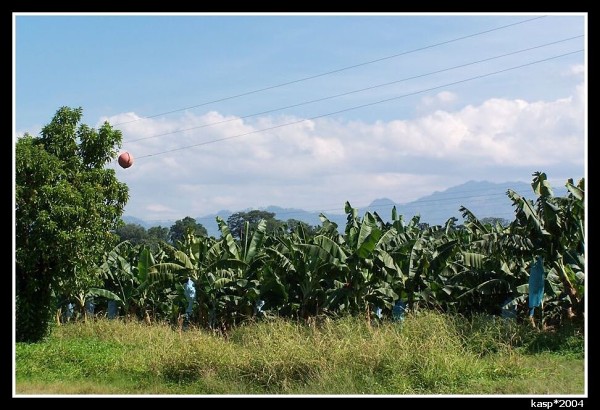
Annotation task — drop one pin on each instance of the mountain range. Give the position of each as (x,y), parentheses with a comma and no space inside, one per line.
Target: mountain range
(482,198)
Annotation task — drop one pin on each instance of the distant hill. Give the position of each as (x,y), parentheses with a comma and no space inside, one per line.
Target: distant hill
(482,198)
(133,220)
(147,224)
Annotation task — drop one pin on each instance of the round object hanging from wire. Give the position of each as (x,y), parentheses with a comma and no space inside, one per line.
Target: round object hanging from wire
(125,160)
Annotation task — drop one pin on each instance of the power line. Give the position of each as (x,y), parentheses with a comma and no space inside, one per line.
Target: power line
(333,71)
(354,91)
(363,105)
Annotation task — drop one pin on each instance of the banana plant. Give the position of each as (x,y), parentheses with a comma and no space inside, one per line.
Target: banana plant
(556,228)
(300,273)
(371,273)
(126,271)
(223,272)
(489,267)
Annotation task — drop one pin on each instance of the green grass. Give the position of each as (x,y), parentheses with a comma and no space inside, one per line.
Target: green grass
(428,353)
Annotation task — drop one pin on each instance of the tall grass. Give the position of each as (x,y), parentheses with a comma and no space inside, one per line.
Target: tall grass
(428,353)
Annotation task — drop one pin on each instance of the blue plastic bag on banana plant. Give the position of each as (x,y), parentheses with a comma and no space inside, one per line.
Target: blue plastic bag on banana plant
(90,306)
(399,311)
(70,312)
(536,284)
(113,309)
(258,306)
(190,294)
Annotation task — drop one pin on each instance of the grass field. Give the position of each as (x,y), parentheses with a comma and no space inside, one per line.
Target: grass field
(427,354)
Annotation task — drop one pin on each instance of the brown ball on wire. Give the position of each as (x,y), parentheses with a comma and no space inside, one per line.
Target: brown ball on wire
(125,160)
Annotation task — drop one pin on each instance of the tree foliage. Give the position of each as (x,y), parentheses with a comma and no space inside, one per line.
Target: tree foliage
(493,221)
(182,227)
(296,271)
(67,203)
(481,266)
(237,221)
(294,225)
(134,233)
(157,234)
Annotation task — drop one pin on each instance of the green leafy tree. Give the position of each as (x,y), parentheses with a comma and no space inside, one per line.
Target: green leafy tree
(134,233)
(182,227)
(237,221)
(294,225)
(157,235)
(67,204)
(493,221)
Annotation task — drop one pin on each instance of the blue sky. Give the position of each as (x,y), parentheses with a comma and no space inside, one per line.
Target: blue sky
(435,114)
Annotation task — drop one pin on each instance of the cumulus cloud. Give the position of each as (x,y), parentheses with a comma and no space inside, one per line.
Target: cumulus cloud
(195,164)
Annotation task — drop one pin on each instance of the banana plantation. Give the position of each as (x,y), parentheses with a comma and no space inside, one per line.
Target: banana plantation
(371,267)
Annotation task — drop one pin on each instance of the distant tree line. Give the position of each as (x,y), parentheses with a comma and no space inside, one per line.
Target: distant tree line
(138,235)
(154,236)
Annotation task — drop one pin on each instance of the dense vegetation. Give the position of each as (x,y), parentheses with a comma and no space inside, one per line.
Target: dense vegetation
(380,306)
(427,353)
(371,268)
(68,209)
(67,203)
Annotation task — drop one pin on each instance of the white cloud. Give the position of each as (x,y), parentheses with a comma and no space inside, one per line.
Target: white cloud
(577,69)
(322,163)
(158,208)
